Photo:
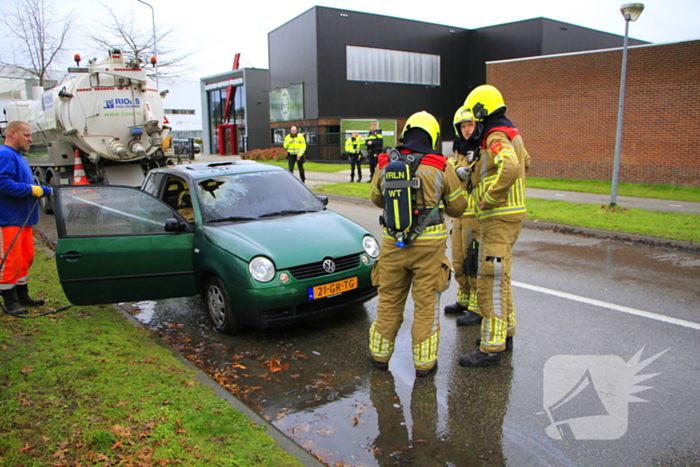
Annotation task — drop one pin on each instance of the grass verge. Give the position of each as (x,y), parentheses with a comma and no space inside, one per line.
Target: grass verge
(312,166)
(669,192)
(671,226)
(667,225)
(85,387)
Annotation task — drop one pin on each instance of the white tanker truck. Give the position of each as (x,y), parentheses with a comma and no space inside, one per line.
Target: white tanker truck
(110,115)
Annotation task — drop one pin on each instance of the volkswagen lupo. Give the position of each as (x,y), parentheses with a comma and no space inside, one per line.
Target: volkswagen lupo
(259,247)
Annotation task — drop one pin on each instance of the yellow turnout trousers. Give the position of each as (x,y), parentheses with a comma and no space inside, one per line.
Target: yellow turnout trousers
(464,230)
(425,271)
(494,291)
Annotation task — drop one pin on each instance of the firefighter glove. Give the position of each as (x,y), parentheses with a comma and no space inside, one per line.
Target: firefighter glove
(464,173)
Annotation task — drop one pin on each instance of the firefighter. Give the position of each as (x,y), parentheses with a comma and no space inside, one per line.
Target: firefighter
(465,230)
(418,262)
(354,151)
(499,181)
(375,144)
(295,144)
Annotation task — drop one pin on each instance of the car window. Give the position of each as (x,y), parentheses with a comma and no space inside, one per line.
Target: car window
(254,195)
(105,211)
(153,183)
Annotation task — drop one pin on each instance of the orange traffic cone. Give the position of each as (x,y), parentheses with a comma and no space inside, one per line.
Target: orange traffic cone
(79,177)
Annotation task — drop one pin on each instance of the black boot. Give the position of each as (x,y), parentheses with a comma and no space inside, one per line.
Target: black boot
(25,299)
(384,366)
(352,178)
(455,309)
(428,372)
(469,319)
(12,302)
(479,358)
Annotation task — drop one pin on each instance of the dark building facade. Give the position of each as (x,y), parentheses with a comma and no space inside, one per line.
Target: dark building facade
(352,65)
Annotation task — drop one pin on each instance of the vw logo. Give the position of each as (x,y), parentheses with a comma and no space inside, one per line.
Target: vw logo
(329,266)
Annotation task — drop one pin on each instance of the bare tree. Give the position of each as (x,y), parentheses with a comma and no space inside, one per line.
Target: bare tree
(136,42)
(40,34)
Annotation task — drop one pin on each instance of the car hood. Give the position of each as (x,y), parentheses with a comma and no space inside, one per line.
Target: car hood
(291,240)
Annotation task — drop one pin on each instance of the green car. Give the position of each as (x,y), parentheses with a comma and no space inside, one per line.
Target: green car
(260,248)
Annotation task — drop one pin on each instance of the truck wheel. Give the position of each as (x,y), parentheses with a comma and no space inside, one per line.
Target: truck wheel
(45,203)
(218,304)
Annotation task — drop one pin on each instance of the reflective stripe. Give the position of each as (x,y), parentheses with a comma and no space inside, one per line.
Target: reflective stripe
(497,277)
(437,196)
(378,345)
(397,217)
(431,232)
(454,195)
(515,199)
(463,298)
(501,211)
(493,333)
(426,352)
(474,303)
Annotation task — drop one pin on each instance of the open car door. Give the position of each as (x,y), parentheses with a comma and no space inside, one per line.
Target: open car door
(120,244)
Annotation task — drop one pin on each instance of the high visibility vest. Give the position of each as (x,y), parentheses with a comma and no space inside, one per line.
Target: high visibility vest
(375,141)
(352,145)
(295,144)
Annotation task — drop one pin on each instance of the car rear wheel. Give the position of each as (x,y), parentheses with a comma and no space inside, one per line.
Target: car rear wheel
(218,305)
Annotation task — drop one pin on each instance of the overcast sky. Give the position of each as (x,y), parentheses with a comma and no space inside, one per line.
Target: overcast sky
(217,29)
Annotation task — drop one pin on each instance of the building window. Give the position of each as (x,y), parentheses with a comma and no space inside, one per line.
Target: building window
(217,103)
(392,66)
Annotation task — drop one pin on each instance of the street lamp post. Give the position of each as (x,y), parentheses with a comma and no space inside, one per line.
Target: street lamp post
(631,12)
(155,48)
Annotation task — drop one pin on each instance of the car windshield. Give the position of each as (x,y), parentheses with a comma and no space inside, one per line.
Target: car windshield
(252,196)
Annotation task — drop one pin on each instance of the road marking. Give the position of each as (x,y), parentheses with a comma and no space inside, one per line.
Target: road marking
(676,205)
(611,306)
(557,194)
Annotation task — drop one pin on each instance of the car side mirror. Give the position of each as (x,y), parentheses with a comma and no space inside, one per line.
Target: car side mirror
(175,225)
(323,199)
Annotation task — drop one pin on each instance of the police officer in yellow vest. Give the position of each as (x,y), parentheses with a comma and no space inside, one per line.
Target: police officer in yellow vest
(465,230)
(353,148)
(415,260)
(375,145)
(499,187)
(295,144)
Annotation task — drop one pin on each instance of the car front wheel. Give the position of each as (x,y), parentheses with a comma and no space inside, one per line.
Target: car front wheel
(218,305)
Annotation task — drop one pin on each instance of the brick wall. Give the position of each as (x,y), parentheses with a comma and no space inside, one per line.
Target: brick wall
(566,108)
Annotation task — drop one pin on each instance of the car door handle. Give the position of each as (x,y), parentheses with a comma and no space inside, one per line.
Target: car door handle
(73,255)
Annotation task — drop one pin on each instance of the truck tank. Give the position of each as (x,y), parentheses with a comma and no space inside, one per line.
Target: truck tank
(110,114)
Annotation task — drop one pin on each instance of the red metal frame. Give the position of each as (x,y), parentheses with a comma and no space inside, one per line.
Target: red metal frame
(221,131)
(229,92)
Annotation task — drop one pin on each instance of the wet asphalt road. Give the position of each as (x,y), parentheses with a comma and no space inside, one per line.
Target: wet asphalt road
(586,309)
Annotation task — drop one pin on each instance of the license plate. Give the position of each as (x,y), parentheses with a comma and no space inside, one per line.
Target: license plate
(332,288)
(170,152)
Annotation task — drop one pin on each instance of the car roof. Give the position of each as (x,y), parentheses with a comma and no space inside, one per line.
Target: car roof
(201,170)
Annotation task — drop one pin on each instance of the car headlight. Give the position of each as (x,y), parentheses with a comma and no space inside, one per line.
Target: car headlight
(370,245)
(261,269)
